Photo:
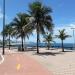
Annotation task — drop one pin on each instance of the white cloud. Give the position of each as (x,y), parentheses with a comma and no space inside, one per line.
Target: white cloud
(67,28)
(1,14)
(68,31)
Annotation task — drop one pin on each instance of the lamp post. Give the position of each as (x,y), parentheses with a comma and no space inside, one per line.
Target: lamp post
(3,26)
(73,37)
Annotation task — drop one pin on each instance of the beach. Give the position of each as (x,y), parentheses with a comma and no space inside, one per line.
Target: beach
(18,63)
(60,63)
(37,37)
(54,60)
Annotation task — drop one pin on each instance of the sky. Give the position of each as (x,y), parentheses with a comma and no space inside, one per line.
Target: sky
(63,15)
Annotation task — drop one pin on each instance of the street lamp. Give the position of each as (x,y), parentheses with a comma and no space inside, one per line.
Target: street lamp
(73,37)
(3,26)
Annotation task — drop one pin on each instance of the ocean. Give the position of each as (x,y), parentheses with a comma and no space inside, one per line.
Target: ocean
(53,45)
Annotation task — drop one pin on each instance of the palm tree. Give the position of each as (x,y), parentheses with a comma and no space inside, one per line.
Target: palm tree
(8,32)
(42,18)
(48,39)
(20,27)
(62,35)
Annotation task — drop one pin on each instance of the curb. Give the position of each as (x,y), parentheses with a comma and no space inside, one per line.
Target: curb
(2,59)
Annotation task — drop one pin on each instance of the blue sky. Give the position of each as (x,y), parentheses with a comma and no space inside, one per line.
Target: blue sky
(63,14)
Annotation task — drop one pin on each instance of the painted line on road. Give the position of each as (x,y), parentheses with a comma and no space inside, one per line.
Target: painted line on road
(2,59)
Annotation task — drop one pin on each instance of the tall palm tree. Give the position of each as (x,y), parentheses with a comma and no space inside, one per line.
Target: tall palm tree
(62,35)
(48,39)
(42,18)
(8,32)
(20,27)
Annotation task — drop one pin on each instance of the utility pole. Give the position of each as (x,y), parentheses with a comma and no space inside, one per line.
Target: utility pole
(3,27)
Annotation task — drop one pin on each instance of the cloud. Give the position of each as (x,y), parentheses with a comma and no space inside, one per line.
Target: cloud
(1,14)
(68,30)
(67,27)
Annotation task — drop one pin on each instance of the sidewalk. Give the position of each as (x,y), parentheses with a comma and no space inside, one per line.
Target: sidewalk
(0,58)
(20,64)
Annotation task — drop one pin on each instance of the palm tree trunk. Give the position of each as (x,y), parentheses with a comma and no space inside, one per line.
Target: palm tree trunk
(37,38)
(22,44)
(9,42)
(62,46)
(48,45)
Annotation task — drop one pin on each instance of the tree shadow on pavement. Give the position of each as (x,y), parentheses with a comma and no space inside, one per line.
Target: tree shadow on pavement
(48,53)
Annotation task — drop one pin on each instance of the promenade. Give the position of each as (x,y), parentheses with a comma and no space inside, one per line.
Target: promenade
(20,64)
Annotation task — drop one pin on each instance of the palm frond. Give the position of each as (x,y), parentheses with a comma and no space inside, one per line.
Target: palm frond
(62,35)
